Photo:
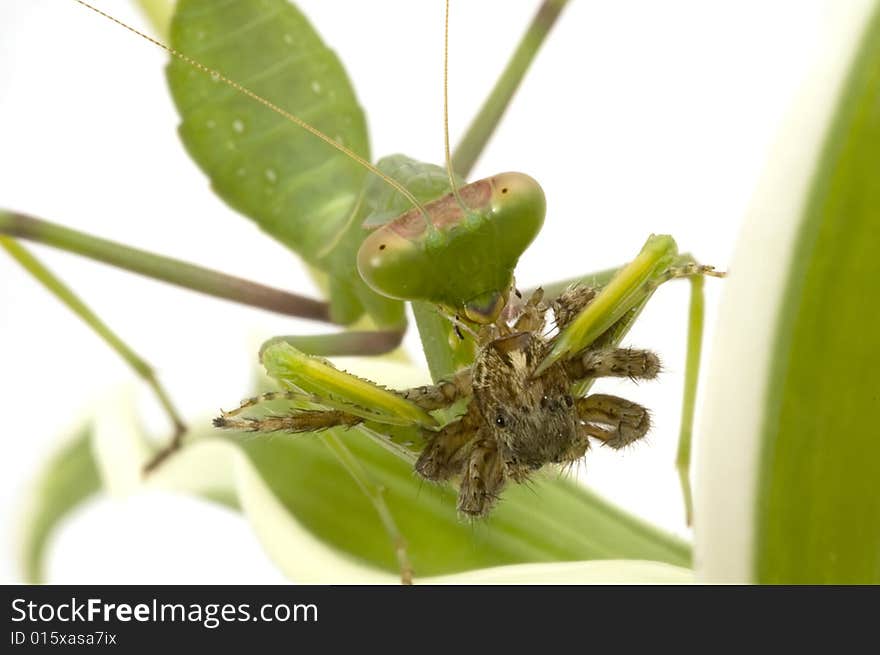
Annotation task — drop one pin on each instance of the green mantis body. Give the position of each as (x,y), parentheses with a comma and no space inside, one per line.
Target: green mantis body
(333,248)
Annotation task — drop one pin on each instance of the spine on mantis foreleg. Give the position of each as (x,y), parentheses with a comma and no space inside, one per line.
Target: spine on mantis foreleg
(619,296)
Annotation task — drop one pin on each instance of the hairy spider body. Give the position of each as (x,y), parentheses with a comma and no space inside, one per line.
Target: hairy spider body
(516,420)
(531,418)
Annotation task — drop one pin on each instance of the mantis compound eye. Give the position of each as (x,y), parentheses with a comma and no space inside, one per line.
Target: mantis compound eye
(460,256)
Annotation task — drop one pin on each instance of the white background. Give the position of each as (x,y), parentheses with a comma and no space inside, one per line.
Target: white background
(637,117)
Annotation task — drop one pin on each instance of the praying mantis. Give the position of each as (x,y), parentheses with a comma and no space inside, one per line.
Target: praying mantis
(394,320)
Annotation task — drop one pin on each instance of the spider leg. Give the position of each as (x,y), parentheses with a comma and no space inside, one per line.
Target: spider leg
(570,303)
(448,450)
(442,394)
(613,362)
(686,269)
(305,420)
(532,317)
(616,421)
(293,420)
(483,479)
(269,396)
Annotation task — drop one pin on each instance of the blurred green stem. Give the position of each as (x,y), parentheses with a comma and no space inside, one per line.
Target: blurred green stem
(173,271)
(376,494)
(692,370)
(61,291)
(484,124)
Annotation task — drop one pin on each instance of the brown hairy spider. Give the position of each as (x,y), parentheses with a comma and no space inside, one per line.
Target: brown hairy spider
(515,421)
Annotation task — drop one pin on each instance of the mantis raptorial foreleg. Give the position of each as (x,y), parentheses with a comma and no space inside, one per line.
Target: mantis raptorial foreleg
(607,315)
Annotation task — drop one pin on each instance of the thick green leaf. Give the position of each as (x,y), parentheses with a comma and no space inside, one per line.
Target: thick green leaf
(568,573)
(819,501)
(69,478)
(318,525)
(293,185)
(789,451)
(553,519)
(306,558)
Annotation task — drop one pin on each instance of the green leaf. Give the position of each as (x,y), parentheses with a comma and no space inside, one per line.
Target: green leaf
(107,456)
(595,572)
(792,446)
(317,545)
(293,185)
(318,526)
(615,299)
(69,478)
(819,513)
(298,495)
(554,520)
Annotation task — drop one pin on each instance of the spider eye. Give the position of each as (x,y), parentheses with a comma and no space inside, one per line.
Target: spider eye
(500,421)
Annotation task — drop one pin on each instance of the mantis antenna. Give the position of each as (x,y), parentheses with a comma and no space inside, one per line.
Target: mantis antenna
(216,75)
(449,170)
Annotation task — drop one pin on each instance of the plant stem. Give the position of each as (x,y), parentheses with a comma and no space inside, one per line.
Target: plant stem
(595,280)
(482,127)
(173,271)
(692,370)
(61,291)
(376,494)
